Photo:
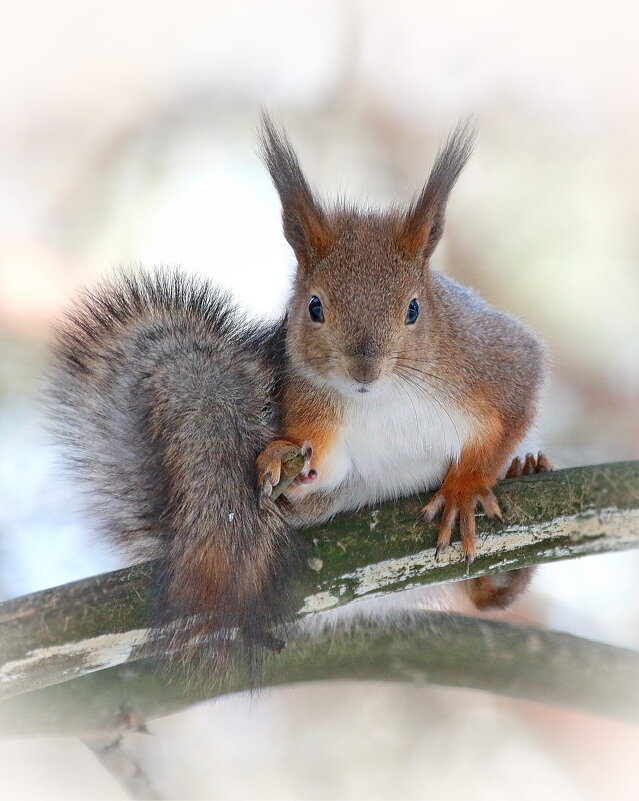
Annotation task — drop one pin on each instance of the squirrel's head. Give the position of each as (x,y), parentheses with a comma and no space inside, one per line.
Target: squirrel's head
(361,301)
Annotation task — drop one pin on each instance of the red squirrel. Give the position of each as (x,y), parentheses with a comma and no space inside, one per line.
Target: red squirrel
(386,376)
(399,380)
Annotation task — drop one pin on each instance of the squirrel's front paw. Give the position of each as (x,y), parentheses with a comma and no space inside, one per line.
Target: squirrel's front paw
(280,463)
(459,504)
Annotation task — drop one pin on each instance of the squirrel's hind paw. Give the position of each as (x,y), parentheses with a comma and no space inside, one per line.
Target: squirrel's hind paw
(529,465)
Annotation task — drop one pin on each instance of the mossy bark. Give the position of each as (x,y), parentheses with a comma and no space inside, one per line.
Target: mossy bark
(89,625)
(421,648)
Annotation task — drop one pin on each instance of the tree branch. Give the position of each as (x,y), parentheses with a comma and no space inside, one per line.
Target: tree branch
(418,648)
(67,631)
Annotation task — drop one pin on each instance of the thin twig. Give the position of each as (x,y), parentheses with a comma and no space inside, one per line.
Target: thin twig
(122,766)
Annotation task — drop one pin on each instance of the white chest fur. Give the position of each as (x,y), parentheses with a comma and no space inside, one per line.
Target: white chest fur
(392,444)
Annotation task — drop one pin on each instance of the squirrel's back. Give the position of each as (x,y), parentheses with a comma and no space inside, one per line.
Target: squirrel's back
(161,398)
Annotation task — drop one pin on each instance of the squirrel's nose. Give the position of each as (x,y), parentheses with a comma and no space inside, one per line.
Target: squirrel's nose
(365,361)
(367,349)
(365,373)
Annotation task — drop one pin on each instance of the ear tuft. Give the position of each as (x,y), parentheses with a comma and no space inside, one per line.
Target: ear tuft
(305,225)
(424,222)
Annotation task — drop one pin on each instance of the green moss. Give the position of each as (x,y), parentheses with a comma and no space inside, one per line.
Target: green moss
(117,601)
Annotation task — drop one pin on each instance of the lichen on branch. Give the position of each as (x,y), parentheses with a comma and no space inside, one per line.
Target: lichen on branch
(65,632)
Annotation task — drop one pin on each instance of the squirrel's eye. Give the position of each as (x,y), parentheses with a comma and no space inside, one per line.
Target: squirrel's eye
(315,310)
(412,313)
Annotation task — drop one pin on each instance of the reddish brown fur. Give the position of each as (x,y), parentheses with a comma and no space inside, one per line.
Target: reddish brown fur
(318,238)
(424,222)
(208,570)
(366,267)
(498,591)
(302,421)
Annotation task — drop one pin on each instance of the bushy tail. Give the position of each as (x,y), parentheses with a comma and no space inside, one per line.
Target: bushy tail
(498,590)
(161,400)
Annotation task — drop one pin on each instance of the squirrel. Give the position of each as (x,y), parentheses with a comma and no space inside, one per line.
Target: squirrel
(386,377)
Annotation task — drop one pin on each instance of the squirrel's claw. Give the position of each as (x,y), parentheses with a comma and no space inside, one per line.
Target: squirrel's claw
(267,485)
(462,509)
(490,505)
(515,469)
(530,465)
(544,465)
(429,512)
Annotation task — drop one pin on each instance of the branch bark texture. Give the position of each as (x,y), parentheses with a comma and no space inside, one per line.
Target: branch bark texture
(419,648)
(68,631)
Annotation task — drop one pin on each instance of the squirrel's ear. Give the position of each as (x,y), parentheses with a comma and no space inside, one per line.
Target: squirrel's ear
(305,224)
(423,224)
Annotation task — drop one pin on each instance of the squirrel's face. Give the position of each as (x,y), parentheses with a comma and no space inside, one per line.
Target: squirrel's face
(359,312)
(359,315)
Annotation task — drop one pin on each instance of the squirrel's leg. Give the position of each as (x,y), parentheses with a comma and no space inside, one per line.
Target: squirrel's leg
(469,481)
(309,430)
(499,590)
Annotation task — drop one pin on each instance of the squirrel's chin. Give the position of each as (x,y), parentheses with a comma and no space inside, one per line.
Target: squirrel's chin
(356,391)
(348,388)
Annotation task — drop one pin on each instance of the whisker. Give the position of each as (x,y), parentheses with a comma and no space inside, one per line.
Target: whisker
(421,387)
(396,382)
(422,373)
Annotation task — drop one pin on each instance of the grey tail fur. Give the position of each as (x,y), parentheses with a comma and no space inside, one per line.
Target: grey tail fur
(160,397)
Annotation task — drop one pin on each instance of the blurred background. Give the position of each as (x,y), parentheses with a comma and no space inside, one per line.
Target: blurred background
(128,136)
